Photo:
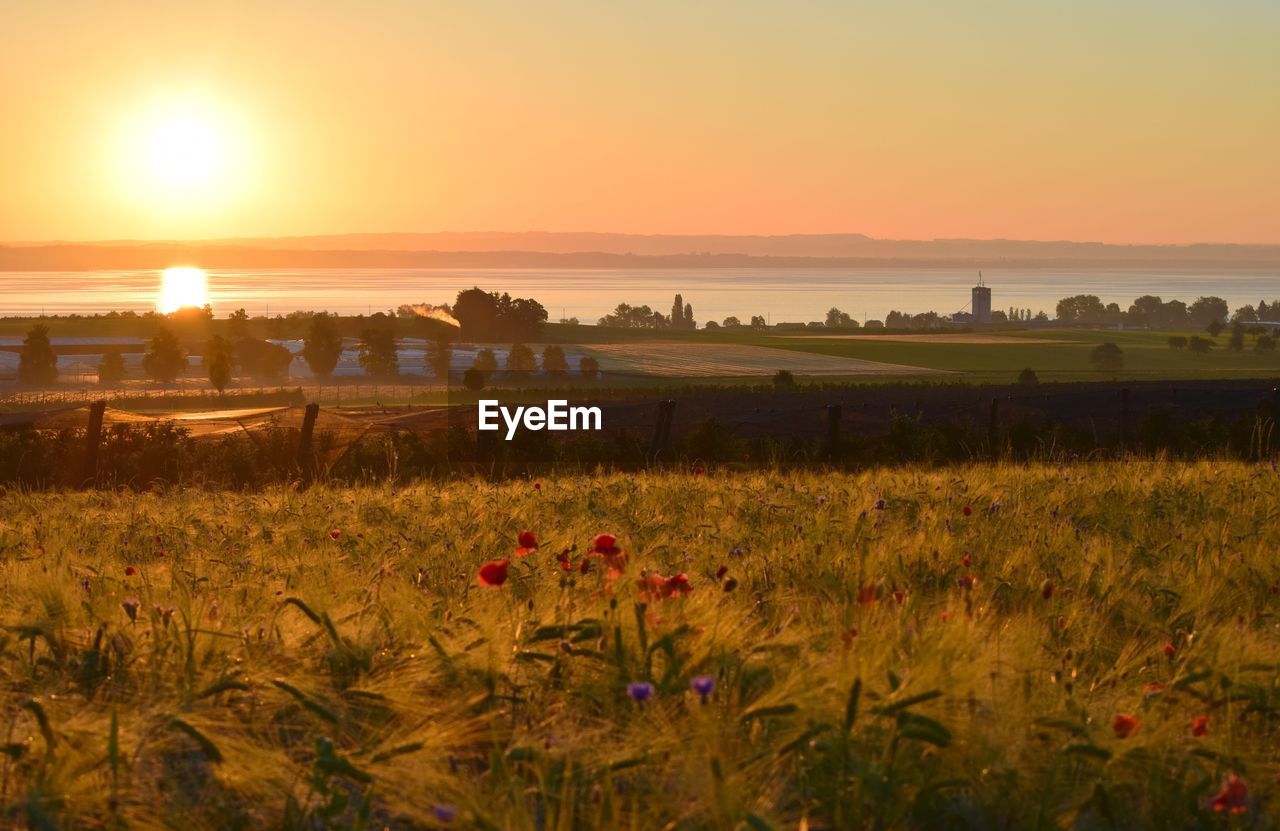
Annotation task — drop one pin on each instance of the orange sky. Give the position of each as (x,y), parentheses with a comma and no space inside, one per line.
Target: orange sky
(1124,121)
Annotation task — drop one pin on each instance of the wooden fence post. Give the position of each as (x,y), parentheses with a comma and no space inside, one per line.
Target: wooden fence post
(662,428)
(993,429)
(92,441)
(306,449)
(833,430)
(1124,417)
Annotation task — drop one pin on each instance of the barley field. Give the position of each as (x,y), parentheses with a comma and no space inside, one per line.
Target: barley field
(1083,646)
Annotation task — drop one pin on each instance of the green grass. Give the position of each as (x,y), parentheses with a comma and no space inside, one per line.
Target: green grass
(1146,355)
(276,677)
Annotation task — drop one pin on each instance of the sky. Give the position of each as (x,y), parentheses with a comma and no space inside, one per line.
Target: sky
(1145,121)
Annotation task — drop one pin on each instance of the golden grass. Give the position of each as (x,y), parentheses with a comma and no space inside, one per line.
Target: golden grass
(865,676)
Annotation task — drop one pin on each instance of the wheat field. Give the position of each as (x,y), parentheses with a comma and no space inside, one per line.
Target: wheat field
(1088,646)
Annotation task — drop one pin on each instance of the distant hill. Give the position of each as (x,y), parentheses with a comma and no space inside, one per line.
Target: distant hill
(592,250)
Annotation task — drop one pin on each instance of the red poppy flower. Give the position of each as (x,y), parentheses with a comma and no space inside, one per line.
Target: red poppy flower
(1200,726)
(1232,797)
(869,594)
(966,560)
(606,546)
(968,509)
(129,571)
(1152,689)
(584,566)
(654,586)
(335,533)
(494,573)
(698,471)
(1124,725)
(1170,650)
(537,486)
(721,572)
(565,563)
(1046,589)
(528,543)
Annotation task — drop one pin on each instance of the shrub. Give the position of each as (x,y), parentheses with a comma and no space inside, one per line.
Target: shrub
(1177,342)
(473,379)
(165,359)
(1198,344)
(784,380)
(486,362)
(1028,378)
(37,363)
(1107,357)
(553,360)
(521,359)
(111,368)
(1264,343)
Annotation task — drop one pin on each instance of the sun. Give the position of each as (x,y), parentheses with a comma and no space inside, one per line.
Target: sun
(182,287)
(184,151)
(185,156)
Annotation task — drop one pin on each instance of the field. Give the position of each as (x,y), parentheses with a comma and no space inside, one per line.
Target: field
(1088,646)
(723,360)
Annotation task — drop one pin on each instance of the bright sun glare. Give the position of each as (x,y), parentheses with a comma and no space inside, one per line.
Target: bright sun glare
(186,155)
(181,287)
(184,152)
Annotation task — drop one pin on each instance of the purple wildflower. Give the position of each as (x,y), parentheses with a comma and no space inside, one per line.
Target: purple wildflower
(640,691)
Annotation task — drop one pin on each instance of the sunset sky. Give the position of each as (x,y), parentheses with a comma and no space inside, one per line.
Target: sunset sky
(1119,121)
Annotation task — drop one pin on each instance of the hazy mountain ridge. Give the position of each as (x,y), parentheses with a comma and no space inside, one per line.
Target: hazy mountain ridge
(601,250)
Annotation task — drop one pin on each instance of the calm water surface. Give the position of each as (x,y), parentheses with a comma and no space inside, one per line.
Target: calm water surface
(779,294)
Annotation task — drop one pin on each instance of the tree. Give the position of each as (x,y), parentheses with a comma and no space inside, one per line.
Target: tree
(1195,343)
(1085,309)
(553,360)
(473,379)
(758,322)
(239,324)
(486,316)
(1107,357)
(263,359)
(730,322)
(1236,342)
(440,357)
(1264,343)
(165,359)
(218,363)
(634,317)
(837,319)
(1208,310)
(322,346)
(521,359)
(783,380)
(711,324)
(1028,378)
(589,367)
(1245,314)
(37,363)
(378,355)
(1214,328)
(1177,342)
(111,367)
(486,362)
(689,322)
(677,313)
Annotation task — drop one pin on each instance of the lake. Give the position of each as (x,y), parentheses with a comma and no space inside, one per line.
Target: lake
(781,295)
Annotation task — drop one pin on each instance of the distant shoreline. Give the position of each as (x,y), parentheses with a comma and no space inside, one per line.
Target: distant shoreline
(76,257)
